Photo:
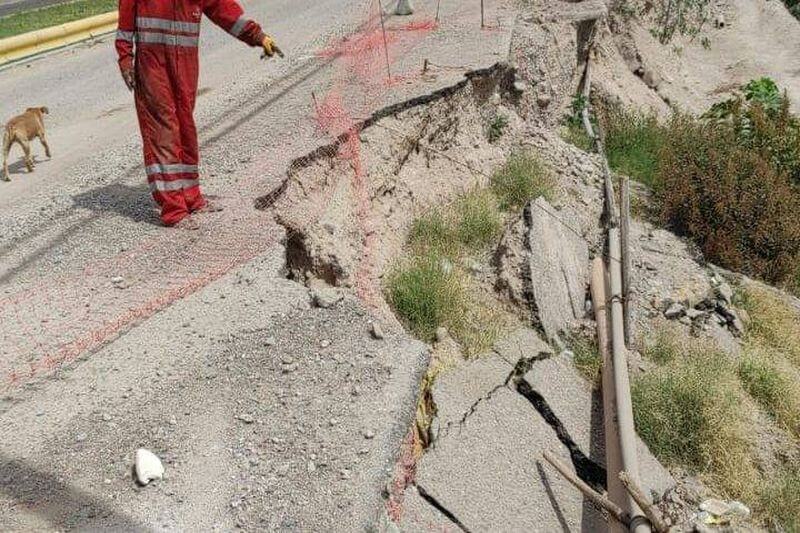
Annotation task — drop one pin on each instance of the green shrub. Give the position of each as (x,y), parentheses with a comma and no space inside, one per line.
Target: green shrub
(587,360)
(497,127)
(469,224)
(633,142)
(433,232)
(691,413)
(523,178)
(478,221)
(426,294)
(730,198)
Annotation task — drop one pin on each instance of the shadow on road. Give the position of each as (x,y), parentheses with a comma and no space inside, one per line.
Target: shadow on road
(64,507)
(133,202)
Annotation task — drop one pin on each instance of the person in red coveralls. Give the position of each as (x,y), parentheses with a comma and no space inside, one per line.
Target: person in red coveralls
(157,48)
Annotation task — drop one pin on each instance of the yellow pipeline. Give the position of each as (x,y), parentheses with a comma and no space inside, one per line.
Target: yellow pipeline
(36,42)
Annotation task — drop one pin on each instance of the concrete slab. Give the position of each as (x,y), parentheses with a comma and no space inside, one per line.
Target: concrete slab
(579,408)
(558,266)
(490,474)
(419,515)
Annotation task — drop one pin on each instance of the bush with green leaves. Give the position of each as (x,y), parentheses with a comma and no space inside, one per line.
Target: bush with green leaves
(729,180)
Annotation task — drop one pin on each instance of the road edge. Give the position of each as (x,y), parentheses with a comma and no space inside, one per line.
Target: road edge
(26,45)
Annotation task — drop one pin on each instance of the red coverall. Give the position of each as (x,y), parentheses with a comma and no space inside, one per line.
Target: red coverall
(165,34)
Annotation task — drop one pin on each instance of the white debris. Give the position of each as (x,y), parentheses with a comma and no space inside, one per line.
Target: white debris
(147,466)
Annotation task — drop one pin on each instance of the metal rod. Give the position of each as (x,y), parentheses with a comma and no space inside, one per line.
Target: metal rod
(616,491)
(625,230)
(601,501)
(385,43)
(438,5)
(622,386)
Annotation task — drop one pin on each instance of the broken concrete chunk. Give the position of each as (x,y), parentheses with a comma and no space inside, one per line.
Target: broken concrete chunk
(147,467)
(377,331)
(558,267)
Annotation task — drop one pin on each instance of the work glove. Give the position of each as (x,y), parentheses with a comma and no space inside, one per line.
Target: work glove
(129,77)
(270,48)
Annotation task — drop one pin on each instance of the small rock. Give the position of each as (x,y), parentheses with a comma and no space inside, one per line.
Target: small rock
(719,22)
(369,434)
(311,467)
(333,422)
(377,331)
(674,311)
(519,87)
(325,343)
(344,473)
(724,292)
(441,334)
(738,509)
(543,100)
(117,280)
(246,418)
(80,437)
(694,314)
(288,369)
(715,507)
(270,341)
(326,297)
(287,359)
(147,466)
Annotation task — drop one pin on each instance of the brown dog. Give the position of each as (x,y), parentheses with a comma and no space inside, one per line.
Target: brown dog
(23,129)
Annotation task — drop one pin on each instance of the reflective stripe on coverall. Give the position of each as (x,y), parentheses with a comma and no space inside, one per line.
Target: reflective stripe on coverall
(165,35)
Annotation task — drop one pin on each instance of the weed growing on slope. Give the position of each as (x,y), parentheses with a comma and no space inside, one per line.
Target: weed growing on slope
(523,178)
(633,142)
(692,412)
(772,383)
(467,225)
(497,127)
(587,360)
(780,500)
(773,323)
(426,293)
(728,180)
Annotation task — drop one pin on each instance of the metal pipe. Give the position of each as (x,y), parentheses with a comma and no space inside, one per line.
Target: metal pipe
(622,386)
(616,490)
(625,232)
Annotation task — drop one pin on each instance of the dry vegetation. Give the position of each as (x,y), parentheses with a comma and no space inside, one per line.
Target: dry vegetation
(697,409)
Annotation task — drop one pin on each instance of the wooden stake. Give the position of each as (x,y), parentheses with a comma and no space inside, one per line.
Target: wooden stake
(438,5)
(598,499)
(650,510)
(483,17)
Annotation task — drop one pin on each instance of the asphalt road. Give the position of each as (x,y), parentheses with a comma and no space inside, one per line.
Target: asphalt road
(119,333)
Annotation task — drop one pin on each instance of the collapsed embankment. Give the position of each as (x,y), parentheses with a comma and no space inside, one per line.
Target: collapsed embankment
(348,209)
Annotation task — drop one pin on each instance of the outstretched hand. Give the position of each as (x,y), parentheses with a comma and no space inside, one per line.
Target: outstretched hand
(270,48)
